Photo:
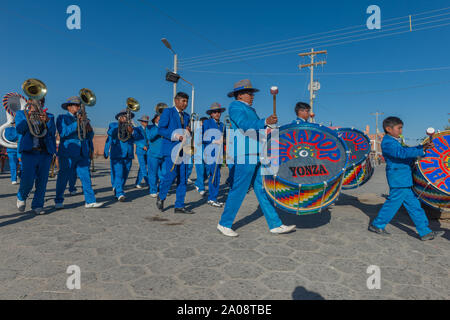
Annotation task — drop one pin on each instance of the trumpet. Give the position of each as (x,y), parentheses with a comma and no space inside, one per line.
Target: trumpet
(193,117)
(123,133)
(87,99)
(35,90)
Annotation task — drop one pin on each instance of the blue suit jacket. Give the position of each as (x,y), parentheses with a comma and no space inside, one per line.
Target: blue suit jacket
(155,141)
(119,149)
(298,119)
(11,135)
(244,117)
(213,135)
(141,143)
(25,142)
(69,143)
(168,123)
(399,160)
(107,147)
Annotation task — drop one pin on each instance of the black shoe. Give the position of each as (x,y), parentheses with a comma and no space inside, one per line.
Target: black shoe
(183,210)
(378,230)
(432,235)
(160,204)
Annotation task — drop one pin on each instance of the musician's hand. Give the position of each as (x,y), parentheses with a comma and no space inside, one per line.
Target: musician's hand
(272,119)
(145,148)
(88,127)
(428,145)
(130,129)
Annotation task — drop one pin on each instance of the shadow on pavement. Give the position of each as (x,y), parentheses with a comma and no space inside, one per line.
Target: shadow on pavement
(300,293)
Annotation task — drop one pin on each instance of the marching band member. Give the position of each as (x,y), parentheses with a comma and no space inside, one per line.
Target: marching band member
(11,135)
(74,154)
(122,153)
(303,112)
(243,116)
(155,157)
(200,167)
(213,163)
(141,151)
(106,156)
(399,160)
(172,126)
(36,154)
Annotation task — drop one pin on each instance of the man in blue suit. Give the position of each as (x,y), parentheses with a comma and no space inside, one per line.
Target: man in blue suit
(399,160)
(141,151)
(155,157)
(122,152)
(36,154)
(74,154)
(213,138)
(243,116)
(11,135)
(174,128)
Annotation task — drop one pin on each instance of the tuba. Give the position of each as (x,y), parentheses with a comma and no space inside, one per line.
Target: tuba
(87,99)
(35,90)
(160,108)
(123,134)
(12,102)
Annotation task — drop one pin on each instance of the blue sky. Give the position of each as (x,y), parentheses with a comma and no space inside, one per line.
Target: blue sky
(118,54)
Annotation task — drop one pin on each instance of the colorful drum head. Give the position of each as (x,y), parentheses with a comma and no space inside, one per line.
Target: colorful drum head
(308,162)
(432,173)
(359,169)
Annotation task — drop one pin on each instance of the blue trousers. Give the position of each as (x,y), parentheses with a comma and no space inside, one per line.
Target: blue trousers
(213,185)
(179,172)
(397,197)
(111,172)
(13,163)
(200,170)
(35,170)
(142,174)
(230,174)
(73,181)
(244,176)
(121,168)
(155,173)
(67,167)
(190,168)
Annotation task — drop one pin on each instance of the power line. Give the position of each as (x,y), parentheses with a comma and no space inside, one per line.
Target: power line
(391,90)
(326,43)
(296,74)
(241,51)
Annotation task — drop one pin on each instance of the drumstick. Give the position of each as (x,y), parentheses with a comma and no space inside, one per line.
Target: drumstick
(274,92)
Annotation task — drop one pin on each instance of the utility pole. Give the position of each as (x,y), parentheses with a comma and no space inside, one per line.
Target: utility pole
(313,86)
(376,114)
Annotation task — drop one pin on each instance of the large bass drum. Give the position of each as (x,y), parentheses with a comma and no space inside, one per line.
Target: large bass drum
(307,167)
(359,168)
(431,175)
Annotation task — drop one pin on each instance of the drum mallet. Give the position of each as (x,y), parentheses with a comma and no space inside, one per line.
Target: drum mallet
(430,133)
(274,92)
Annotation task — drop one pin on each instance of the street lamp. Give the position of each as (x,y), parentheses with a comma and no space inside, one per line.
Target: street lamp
(175,64)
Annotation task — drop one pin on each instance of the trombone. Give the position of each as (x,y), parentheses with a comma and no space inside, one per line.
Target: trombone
(89,99)
(123,133)
(35,90)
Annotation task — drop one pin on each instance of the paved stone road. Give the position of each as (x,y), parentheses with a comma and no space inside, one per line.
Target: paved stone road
(131,251)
